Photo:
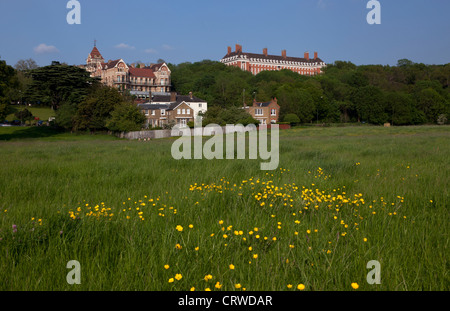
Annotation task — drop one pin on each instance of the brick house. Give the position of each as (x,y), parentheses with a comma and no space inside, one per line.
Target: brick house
(172,109)
(265,113)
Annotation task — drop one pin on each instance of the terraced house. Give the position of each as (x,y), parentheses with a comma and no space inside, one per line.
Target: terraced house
(139,80)
(173,109)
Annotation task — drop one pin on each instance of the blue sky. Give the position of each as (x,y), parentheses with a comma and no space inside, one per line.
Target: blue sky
(188,31)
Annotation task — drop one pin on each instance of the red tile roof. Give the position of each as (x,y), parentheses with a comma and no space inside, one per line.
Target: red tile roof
(95,52)
(142,72)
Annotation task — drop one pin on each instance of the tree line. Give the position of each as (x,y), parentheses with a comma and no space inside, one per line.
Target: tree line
(406,94)
(82,103)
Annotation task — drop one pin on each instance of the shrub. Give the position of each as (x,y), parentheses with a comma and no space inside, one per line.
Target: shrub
(292,119)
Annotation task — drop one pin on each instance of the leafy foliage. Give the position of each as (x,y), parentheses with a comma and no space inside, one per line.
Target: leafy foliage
(54,84)
(408,93)
(125,117)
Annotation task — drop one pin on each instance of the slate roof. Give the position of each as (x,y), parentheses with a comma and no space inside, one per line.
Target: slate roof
(156,104)
(180,99)
(274,57)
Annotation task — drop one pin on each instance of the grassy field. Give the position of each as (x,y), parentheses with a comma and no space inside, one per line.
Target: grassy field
(136,219)
(43,113)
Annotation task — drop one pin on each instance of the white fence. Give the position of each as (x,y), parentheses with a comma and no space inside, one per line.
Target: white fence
(157,134)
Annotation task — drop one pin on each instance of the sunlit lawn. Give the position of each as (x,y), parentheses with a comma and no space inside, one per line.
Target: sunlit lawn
(136,219)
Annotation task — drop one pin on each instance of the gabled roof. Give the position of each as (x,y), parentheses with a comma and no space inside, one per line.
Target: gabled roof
(111,64)
(156,67)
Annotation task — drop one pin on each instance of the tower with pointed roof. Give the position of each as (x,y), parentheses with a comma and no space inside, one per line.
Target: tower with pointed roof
(94,60)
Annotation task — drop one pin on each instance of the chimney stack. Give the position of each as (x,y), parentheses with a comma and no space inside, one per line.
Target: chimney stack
(283,54)
(238,48)
(265,51)
(307,55)
(316,55)
(229,50)
(173,97)
(190,95)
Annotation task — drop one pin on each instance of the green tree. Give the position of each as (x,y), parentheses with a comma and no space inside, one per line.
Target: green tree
(125,117)
(4,109)
(7,74)
(24,115)
(431,104)
(292,118)
(401,108)
(93,112)
(54,84)
(369,103)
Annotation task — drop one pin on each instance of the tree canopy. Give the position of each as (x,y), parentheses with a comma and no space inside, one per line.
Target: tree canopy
(54,84)
(408,93)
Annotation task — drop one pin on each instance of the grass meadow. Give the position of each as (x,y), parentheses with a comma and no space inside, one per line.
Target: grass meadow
(136,219)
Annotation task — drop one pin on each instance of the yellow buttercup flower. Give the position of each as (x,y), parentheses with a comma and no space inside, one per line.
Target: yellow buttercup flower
(355,285)
(231,267)
(301,286)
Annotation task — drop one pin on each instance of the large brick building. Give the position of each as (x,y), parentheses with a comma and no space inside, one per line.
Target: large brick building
(255,63)
(139,80)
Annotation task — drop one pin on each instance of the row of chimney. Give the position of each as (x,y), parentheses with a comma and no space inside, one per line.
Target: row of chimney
(283,53)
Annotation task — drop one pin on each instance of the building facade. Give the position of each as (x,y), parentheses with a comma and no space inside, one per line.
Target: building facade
(173,109)
(256,63)
(140,80)
(265,113)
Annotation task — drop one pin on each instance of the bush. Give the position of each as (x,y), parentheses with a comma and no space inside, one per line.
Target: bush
(24,115)
(292,119)
(125,117)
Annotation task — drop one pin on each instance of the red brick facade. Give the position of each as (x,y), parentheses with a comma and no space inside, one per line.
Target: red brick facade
(256,63)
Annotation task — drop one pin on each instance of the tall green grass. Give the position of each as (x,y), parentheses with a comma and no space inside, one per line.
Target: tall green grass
(49,178)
